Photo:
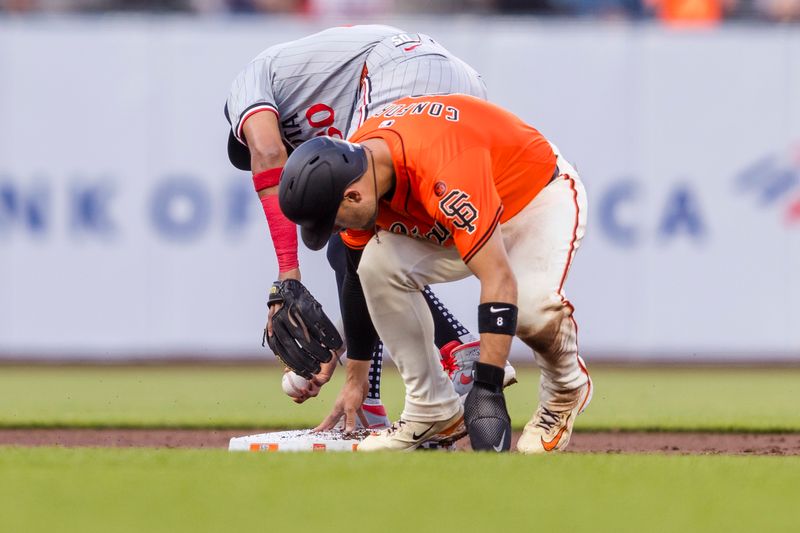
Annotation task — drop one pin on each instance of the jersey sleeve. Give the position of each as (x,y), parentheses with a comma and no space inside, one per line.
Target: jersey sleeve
(251,92)
(463,197)
(356,239)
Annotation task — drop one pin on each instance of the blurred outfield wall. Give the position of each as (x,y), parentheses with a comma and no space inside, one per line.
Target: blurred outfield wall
(125,232)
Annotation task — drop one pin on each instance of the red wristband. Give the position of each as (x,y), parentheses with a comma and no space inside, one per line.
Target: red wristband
(283,232)
(267,178)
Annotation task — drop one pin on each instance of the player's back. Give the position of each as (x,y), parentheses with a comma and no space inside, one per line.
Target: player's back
(326,52)
(437,130)
(310,83)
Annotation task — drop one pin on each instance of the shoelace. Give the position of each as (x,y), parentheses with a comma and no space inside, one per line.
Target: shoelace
(449,364)
(395,427)
(547,424)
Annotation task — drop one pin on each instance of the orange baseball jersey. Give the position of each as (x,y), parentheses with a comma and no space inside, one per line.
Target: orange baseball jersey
(462,167)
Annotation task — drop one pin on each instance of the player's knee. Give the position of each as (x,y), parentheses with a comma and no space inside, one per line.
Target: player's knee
(373,266)
(381,264)
(540,318)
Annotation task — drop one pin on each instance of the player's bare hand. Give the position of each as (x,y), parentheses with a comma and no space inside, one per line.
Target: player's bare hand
(317,381)
(348,404)
(326,371)
(310,393)
(297,393)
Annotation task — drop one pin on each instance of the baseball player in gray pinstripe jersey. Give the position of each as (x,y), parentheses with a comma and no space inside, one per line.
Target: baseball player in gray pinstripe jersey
(327,84)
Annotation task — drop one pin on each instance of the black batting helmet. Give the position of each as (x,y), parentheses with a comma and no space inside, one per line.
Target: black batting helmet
(238,154)
(313,183)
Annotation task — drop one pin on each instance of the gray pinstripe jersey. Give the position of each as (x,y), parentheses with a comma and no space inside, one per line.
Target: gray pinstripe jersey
(327,83)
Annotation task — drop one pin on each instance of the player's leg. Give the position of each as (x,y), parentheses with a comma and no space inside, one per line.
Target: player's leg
(457,346)
(373,408)
(459,349)
(541,241)
(449,332)
(447,329)
(393,273)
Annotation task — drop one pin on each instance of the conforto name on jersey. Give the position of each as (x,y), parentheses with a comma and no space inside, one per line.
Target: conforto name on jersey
(433,109)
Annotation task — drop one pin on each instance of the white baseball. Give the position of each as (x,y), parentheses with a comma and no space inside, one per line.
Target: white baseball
(294,385)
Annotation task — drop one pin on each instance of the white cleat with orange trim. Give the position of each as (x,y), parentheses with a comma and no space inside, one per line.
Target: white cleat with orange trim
(406,436)
(551,426)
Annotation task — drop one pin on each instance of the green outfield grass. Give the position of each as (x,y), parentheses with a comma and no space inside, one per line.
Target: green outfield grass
(121,491)
(628,399)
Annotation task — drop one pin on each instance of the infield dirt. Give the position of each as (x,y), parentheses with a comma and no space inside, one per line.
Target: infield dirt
(582,442)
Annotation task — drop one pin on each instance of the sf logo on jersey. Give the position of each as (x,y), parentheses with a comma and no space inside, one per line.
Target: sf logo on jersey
(456,206)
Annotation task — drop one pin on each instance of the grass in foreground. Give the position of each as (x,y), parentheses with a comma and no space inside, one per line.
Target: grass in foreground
(627,399)
(44,490)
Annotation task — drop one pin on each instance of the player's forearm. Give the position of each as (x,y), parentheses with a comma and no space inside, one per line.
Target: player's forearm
(267,164)
(497,314)
(499,289)
(267,156)
(267,160)
(357,372)
(499,285)
(283,233)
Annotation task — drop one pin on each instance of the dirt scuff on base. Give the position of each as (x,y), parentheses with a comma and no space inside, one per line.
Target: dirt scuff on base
(582,442)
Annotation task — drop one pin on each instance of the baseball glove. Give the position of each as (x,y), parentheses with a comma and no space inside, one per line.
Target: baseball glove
(302,334)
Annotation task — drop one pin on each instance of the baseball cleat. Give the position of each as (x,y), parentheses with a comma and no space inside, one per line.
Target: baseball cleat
(551,426)
(375,413)
(458,360)
(407,435)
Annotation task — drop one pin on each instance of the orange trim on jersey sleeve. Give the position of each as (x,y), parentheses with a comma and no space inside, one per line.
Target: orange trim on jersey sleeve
(356,239)
(486,236)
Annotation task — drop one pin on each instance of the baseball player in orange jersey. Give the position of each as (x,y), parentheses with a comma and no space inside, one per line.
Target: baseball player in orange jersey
(431,190)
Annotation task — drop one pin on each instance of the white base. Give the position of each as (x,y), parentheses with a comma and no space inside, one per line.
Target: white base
(300,440)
